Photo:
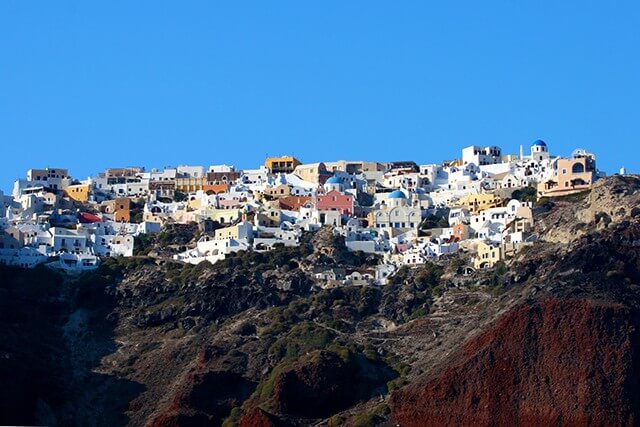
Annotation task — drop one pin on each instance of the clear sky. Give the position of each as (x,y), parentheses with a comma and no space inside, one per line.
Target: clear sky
(88,85)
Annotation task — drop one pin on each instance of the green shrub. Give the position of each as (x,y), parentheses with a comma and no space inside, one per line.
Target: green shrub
(526,194)
(420,312)
(302,338)
(335,421)
(396,383)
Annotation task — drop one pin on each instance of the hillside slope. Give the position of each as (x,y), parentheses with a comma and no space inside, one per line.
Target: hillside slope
(552,337)
(569,353)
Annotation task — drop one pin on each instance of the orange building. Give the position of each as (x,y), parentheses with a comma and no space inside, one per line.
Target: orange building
(120,208)
(284,164)
(293,203)
(460,232)
(123,210)
(79,192)
(215,188)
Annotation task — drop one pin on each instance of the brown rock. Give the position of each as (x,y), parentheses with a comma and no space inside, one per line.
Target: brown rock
(257,417)
(553,362)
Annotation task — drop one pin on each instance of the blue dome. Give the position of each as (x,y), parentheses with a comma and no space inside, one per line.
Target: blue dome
(539,142)
(397,194)
(334,180)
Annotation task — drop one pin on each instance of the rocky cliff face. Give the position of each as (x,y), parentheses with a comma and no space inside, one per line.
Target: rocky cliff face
(550,338)
(552,362)
(611,200)
(568,353)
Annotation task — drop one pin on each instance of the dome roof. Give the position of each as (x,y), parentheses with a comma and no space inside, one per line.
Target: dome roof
(539,142)
(397,194)
(333,180)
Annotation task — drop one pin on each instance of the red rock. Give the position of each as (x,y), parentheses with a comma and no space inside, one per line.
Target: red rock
(553,362)
(257,417)
(203,399)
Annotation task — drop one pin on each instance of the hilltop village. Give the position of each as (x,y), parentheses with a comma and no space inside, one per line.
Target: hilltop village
(481,203)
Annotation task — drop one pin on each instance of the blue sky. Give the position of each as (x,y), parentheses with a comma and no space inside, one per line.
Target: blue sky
(87,85)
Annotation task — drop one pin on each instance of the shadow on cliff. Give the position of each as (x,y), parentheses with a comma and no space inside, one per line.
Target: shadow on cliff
(49,351)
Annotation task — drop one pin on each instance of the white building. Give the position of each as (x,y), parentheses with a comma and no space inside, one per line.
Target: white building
(481,156)
(396,213)
(222,168)
(255,176)
(190,171)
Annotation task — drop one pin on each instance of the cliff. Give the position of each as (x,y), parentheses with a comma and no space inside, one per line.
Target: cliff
(568,353)
(552,362)
(549,338)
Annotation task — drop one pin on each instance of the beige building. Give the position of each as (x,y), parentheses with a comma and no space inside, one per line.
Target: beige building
(571,176)
(312,172)
(487,256)
(268,218)
(282,190)
(478,202)
(47,174)
(12,238)
(355,166)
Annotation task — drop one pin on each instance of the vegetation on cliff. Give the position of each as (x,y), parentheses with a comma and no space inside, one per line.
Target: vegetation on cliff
(550,336)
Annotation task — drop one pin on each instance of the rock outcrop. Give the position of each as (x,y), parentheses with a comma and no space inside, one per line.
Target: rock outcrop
(204,398)
(325,384)
(569,352)
(553,362)
(614,199)
(258,417)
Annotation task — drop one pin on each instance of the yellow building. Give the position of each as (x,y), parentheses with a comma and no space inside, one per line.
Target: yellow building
(487,256)
(284,164)
(223,216)
(478,202)
(269,218)
(78,192)
(190,185)
(226,233)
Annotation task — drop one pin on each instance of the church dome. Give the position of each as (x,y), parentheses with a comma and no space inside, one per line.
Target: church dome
(397,194)
(539,142)
(334,180)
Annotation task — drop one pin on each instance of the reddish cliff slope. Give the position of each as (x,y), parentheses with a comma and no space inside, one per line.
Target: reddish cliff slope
(553,362)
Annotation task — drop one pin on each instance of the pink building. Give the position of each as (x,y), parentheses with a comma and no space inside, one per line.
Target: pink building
(229,204)
(335,201)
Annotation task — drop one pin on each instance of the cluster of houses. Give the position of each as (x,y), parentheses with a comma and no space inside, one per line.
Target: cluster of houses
(404,212)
